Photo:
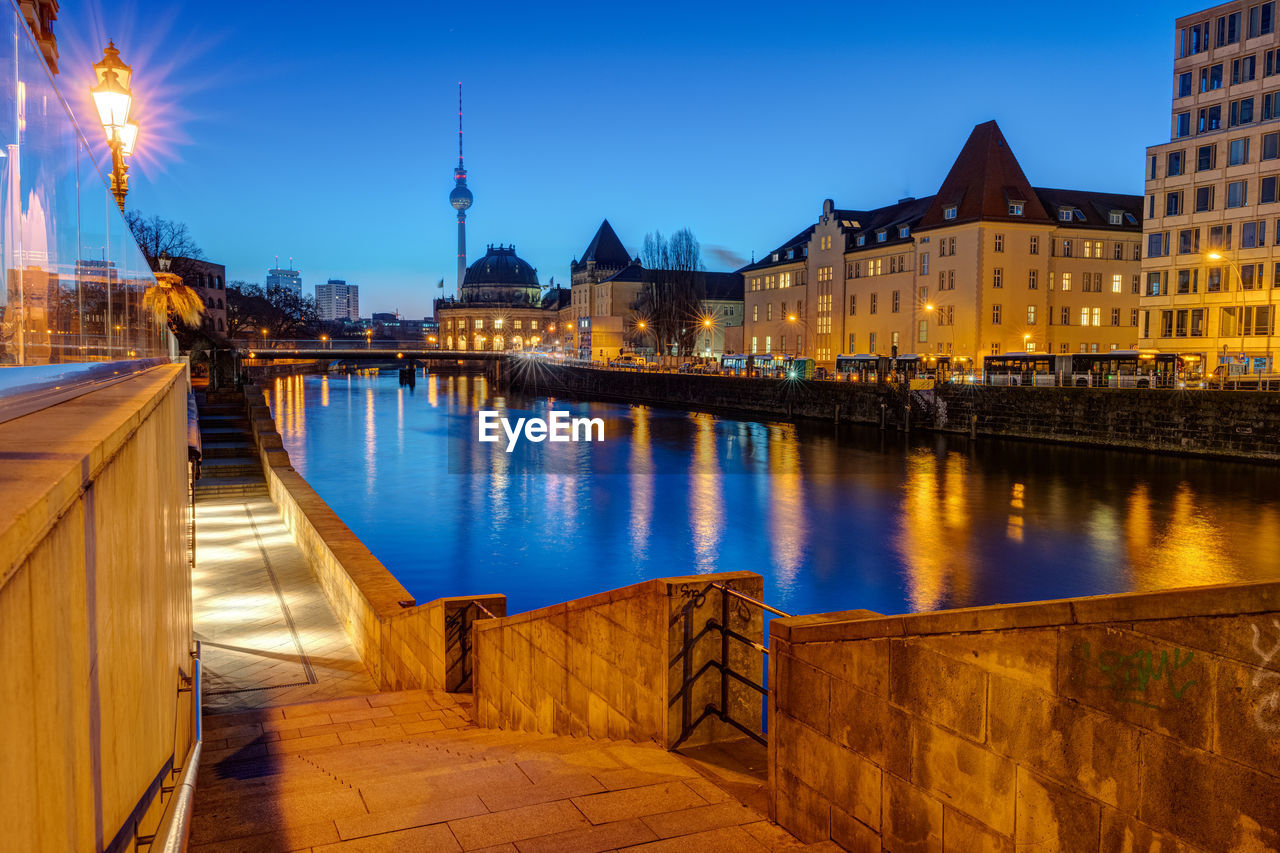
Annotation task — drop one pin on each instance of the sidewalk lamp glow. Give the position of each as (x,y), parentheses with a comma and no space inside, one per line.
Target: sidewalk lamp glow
(113,99)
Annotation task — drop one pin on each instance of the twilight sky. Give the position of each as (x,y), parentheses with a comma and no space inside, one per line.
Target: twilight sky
(326,131)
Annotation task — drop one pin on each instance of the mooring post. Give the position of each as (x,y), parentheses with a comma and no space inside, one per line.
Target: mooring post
(973,427)
(884,415)
(837,413)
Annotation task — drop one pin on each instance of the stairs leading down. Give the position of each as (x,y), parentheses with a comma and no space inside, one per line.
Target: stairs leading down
(230,466)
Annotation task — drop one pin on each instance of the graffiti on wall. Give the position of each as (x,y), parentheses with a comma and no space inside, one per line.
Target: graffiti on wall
(1266,701)
(1152,679)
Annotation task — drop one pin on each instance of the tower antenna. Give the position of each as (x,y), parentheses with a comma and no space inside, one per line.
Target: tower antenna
(459,124)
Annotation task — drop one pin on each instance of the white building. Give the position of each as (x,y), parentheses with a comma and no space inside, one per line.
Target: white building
(287,279)
(337,300)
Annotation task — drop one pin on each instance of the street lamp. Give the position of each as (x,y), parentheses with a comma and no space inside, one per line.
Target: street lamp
(1026,341)
(368,339)
(113,99)
(1218,256)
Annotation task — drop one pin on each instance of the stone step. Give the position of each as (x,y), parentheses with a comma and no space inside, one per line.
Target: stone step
(227,449)
(217,433)
(230,487)
(221,467)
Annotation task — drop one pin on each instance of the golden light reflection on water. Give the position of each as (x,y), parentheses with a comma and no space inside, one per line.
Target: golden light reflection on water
(935,538)
(706,500)
(370,442)
(788,523)
(641,476)
(324,390)
(1187,548)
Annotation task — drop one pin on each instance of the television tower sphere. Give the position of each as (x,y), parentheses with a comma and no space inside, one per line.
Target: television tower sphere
(460,198)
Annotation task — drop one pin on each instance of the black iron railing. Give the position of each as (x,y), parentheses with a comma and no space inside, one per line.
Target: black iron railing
(457,633)
(728,675)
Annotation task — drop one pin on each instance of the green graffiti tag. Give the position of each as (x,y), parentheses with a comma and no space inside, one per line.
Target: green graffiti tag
(1146,678)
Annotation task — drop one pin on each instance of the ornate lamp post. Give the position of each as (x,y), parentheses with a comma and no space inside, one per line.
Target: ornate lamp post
(113,99)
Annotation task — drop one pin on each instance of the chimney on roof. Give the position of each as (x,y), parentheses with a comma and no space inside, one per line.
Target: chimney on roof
(907,199)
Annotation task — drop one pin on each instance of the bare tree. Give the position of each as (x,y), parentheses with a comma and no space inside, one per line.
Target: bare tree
(155,236)
(283,313)
(670,302)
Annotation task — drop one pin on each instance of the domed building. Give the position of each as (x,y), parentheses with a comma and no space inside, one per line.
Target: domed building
(500,306)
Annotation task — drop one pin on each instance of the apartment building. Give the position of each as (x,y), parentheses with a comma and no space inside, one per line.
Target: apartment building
(1212,262)
(988,265)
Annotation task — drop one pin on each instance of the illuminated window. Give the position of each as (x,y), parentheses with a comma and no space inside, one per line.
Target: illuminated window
(1116,283)
(1084,316)
(1066,282)
(1031,315)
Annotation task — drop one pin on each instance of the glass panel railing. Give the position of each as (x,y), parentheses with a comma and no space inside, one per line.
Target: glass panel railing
(73,277)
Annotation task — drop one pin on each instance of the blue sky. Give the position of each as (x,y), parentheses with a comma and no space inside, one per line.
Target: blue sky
(326,131)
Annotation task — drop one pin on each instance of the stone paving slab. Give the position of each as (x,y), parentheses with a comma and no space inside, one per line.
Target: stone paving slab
(268,636)
(459,788)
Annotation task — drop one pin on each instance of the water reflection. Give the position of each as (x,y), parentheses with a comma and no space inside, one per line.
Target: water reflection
(834,519)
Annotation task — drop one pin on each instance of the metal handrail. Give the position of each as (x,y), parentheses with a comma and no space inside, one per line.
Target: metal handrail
(688,677)
(458,622)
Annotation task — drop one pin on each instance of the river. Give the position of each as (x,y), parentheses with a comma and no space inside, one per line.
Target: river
(833,518)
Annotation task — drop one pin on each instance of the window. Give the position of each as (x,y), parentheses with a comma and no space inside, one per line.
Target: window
(755,313)
(1211,78)
(1206,157)
(1066,248)
(1244,69)
(1184,84)
(951,279)
(1066,214)
(1210,119)
(995,315)
(1267,190)
(1238,152)
(1117,283)
(862,240)
(1066,282)
(1135,284)
(1033,279)
(1189,241)
(924,263)
(1237,194)
(1241,112)
(1015,208)
(897,301)
(853,304)
(997,277)
(1262,19)
(1182,126)
(1066,316)
(1213,280)
(904,231)
(853,347)
(881,235)
(768,310)
(1157,245)
(1133,316)
(768,343)
(951,245)
(1035,245)
(872,344)
(1204,198)
(1172,207)
(922,335)
(874,301)
(999,242)
(1228,29)
(1174,166)
(1193,40)
(1031,315)
(1084,316)
(949,212)
(1253,234)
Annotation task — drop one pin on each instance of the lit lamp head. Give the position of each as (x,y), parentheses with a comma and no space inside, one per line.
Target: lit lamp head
(1214,256)
(113,98)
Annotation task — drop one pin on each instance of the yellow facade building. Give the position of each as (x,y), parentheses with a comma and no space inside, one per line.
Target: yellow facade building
(1212,262)
(988,265)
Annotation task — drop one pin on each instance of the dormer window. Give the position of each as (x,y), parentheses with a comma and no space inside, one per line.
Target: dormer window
(1015,208)
(775,256)
(1065,214)
(862,239)
(881,235)
(904,231)
(949,212)
(1117,217)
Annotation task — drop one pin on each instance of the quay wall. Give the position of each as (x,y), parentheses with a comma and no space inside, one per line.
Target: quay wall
(95,615)
(1147,721)
(1227,424)
(405,645)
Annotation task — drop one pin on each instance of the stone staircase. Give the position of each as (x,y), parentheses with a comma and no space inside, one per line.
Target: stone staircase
(230,466)
(411,771)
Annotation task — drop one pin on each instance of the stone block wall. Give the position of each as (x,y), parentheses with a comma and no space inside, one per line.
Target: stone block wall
(1230,424)
(609,665)
(95,614)
(1136,722)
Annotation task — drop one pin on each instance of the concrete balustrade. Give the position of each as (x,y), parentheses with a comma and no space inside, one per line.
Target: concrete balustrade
(95,615)
(611,665)
(1128,722)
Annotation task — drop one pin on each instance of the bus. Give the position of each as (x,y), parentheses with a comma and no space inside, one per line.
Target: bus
(1019,368)
(1120,369)
(799,368)
(863,368)
(735,365)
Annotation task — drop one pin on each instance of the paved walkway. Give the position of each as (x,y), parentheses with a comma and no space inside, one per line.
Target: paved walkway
(410,771)
(268,636)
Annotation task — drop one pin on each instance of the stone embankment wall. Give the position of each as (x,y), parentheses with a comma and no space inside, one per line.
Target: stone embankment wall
(1237,424)
(95,615)
(405,645)
(1136,722)
(613,664)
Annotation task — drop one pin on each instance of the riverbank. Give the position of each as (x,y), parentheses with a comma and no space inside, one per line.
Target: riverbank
(1241,425)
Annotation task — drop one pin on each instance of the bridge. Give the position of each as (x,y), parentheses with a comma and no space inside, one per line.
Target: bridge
(370,350)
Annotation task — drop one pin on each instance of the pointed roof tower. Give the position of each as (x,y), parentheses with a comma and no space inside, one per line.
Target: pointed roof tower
(983,184)
(606,249)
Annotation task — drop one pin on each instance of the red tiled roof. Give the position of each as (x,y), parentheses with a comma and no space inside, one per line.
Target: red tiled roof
(984,179)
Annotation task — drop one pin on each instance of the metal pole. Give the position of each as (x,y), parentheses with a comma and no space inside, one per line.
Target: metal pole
(724,656)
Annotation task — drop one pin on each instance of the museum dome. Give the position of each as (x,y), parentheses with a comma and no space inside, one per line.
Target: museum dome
(501,276)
